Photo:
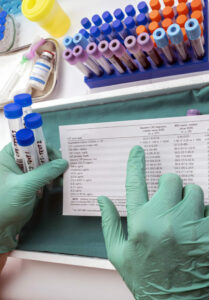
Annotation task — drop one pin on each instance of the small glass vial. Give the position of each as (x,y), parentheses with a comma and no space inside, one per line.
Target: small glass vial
(41,71)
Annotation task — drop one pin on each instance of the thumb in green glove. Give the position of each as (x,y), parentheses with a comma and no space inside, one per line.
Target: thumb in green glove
(166,253)
(18,194)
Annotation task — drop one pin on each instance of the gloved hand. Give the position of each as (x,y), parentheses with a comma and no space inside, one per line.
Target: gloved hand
(18,194)
(166,253)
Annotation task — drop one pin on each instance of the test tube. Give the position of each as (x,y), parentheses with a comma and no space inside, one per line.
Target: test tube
(140,29)
(155,16)
(86,34)
(146,44)
(68,42)
(193,31)
(155,5)
(97,34)
(103,47)
(85,22)
(120,29)
(143,8)
(34,122)
(73,61)
(193,112)
(131,25)
(176,37)
(168,13)
(25,140)
(181,20)
(141,19)
(79,39)
(13,112)
(166,23)
(119,14)
(162,42)
(134,48)
(198,15)
(171,4)
(130,11)
(119,50)
(96,19)
(25,100)
(196,5)
(153,26)
(92,50)
(107,17)
(108,32)
(182,9)
(83,57)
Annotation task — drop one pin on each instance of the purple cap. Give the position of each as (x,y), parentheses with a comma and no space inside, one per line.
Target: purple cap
(70,57)
(193,112)
(131,44)
(103,47)
(145,42)
(92,50)
(80,54)
(117,48)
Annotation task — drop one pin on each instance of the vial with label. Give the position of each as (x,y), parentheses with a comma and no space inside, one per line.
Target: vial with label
(41,71)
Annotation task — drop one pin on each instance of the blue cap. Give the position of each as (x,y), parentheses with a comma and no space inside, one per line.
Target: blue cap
(1,36)
(2,21)
(118,25)
(143,7)
(130,10)
(68,42)
(160,38)
(2,28)
(193,30)
(119,15)
(106,28)
(33,121)
(23,99)
(86,23)
(13,111)
(79,39)
(94,30)
(84,33)
(129,22)
(25,137)
(107,17)
(3,14)
(97,20)
(141,19)
(175,34)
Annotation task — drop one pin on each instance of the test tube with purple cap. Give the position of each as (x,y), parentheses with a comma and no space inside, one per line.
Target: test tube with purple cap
(72,60)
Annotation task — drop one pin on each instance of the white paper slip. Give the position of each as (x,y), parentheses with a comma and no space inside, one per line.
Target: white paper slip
(98,154)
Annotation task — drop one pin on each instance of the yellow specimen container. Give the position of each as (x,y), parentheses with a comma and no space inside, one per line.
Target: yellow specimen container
(48,14)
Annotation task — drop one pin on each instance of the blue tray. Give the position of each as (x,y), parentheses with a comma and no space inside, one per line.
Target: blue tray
(178,68)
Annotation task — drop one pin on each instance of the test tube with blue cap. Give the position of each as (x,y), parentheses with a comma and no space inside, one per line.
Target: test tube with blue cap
(34,122)
(97,34)
(107,17)
(25,100)
(73,61)
(25,140)
(143,8)
(79,39)
(162,42)
(131,25)
(87,35)
(130,11)
(119,14)
(97,20)
(176,37)
(68,42)
(108,32)
(141,19)
(120,29)
(13,112)
(86,23)
(193,32)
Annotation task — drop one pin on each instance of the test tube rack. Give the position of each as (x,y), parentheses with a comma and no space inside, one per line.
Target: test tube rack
(178,68)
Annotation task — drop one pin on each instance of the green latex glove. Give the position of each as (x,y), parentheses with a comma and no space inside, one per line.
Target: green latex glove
(166,253)
(18,194)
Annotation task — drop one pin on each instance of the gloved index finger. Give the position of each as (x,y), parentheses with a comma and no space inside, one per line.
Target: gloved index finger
(136,186)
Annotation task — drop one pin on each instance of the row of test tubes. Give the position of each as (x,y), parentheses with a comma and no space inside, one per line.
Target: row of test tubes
(137,46)
(26,133)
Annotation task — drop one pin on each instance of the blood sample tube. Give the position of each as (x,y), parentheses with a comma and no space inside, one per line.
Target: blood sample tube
(108,32)
(153,26)
(196,5)
(197,14)
(171,4)
(96,19)
(176,37)
(193,31)
(141,19)
(161,40)
(85,22)
(97,34)
(130,11)
(103,47)
(182,9)
(79,39)
(107,17)
(193,112)
(181,20)
(68,42)
(130,25)
(73,61)
(120,29)
(146,44)
(168,13)
(119,14)
(155,16)
(134,48)
(87,35)
(143,8)
(166,23)
(140,29)
(92,50)
(155,5)
(119,50)
(83,57)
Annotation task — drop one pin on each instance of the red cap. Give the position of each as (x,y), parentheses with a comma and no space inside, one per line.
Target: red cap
(155,16)
(155,4)
(168,12)
(166,23)
(153,26)
(197,14)
(182,9)
(140,29)
(181,20)
(169,2)
(196,5)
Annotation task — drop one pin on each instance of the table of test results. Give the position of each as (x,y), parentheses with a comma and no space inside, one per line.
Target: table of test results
(98,155)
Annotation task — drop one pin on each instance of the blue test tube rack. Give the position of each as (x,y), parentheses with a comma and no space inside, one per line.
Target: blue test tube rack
(190,66)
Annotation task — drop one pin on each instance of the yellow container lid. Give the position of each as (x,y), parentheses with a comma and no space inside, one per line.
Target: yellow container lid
(36,10)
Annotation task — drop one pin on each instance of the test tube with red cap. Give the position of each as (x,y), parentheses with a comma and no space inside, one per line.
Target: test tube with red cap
(166,23)
(153,26)
(181,20)
(198,15)
(171,4)
(168,13)
(182,9)
(155,5)
(155,16)
(140,29)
